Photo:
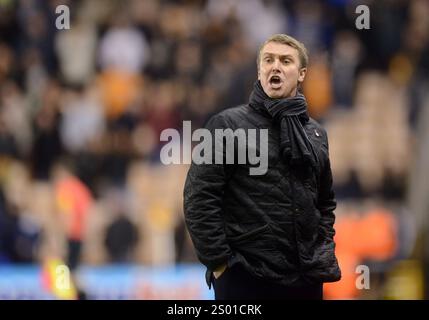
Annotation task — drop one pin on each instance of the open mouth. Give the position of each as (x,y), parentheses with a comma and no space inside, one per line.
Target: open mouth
(275,81)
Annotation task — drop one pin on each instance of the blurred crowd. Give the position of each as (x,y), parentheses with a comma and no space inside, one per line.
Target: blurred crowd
(81,111)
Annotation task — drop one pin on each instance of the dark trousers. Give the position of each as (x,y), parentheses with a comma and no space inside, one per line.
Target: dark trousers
(238,284)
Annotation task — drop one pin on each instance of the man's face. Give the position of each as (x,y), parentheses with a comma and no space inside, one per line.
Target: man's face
(279,70)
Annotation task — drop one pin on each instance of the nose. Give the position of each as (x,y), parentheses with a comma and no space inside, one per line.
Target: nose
(276,65)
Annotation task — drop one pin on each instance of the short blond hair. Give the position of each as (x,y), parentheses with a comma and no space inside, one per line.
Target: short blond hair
(290,41)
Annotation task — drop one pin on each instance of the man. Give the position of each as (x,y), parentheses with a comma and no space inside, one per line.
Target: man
(268,236)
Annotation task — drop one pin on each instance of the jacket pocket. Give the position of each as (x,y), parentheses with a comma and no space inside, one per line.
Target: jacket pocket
(259,248)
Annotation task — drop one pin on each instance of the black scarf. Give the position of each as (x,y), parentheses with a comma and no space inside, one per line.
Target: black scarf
(290,114)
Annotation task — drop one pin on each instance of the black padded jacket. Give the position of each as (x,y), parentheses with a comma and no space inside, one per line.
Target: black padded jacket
(279,225)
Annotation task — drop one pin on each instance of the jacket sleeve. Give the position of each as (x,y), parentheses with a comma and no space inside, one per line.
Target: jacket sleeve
(326,199)
(203,198)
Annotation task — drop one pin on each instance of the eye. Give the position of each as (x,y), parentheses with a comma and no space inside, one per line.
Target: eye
(286,61)
(267,59)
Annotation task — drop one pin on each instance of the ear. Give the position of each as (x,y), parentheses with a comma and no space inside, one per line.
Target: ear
(302,73)
(259,74)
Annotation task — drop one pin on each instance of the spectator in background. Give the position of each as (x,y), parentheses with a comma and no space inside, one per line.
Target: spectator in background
(16,116)
(19,233)
(76,51)
(8,147)
(346,55)
(74,201)
(317,89)
(185,252)
(6,62)
(82,119)
(47,146)
(258,18)
(123,52)
(123,47)
(121,238)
